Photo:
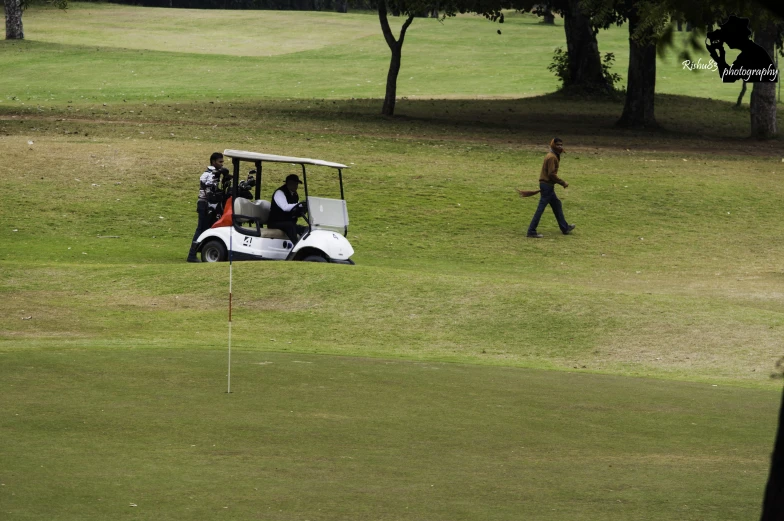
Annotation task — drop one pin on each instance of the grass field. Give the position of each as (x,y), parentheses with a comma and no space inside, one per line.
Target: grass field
(459,370)
(103,52)
(129,434)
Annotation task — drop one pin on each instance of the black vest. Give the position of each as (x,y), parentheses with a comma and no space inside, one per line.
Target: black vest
(277,214)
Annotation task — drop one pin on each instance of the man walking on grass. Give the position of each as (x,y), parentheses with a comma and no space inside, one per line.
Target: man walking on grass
(547,180)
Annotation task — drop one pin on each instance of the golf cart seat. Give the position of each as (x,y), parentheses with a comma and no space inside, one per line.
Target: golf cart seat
(256,212)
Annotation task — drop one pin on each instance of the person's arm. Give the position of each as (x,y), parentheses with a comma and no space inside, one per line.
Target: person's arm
(721,62)
(554,177)
(719,56)
(280,200)
(552,172)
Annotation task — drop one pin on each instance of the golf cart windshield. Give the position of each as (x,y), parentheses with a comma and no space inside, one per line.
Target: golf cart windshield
(328,214)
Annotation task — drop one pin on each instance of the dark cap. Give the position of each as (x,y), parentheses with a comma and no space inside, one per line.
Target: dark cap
(293,177)
(735,26)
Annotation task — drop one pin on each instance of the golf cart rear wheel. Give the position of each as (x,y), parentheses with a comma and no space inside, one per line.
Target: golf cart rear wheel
(213,251)
(314,258)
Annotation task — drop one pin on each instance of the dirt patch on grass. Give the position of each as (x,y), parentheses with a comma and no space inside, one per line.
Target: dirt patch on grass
(728,349)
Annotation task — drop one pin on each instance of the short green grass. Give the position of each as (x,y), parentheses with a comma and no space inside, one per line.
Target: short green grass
(674,271)
(110,53)
(152,434)
(459,370)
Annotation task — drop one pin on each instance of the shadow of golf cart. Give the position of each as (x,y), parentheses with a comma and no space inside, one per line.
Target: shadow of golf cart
(242,231)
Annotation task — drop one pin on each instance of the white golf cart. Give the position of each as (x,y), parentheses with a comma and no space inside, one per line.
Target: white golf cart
(241,231)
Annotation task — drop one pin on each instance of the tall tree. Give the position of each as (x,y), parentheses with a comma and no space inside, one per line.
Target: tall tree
(638,108)
(585,64)
(763,95)
(582,48)
(411,9)
(396,48)
(13,20)
(14,30)
(646,20)
(548,18)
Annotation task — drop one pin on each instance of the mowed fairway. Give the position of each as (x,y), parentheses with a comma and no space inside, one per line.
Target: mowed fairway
(104,52)
(151,434)
(459,370)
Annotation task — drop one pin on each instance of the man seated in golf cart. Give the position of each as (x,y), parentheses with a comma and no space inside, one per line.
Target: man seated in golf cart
(285,209)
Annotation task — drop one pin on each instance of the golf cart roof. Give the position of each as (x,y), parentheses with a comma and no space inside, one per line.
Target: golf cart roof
(255,156)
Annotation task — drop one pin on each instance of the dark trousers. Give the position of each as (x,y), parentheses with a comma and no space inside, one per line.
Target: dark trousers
(547,196)
(290,228)
(206,220)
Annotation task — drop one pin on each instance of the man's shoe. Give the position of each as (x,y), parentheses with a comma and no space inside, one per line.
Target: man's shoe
(535,235)
(193,259)
(569,229)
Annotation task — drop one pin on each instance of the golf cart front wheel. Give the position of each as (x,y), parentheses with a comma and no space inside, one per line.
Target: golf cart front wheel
(314,258)
(213,251)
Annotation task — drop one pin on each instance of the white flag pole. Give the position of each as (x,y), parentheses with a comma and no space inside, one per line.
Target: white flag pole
(231,250)
(231,237)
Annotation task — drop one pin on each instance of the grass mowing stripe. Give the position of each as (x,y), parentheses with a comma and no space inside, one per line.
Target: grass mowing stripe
(367,311)
(659,280)
(323,437)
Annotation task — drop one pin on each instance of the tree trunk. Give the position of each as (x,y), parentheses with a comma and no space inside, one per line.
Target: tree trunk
(641,81)
(740,96)
(390,96)
(773,503)
(341,6)
(396,47)
(763,95)
(585,66)
(13,20)
(548,17)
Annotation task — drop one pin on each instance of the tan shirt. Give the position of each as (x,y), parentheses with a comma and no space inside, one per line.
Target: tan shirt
(549,173)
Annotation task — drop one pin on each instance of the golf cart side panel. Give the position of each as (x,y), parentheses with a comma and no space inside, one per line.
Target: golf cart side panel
(333,245)
(221,233)
(245,247)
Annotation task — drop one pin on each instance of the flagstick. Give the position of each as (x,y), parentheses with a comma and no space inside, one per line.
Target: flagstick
(231,236)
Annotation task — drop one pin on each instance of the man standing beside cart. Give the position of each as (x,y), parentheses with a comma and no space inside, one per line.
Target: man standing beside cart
(285,209)
(210,197)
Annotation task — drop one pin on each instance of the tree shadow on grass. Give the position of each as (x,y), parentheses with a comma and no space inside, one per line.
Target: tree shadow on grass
(685,122)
